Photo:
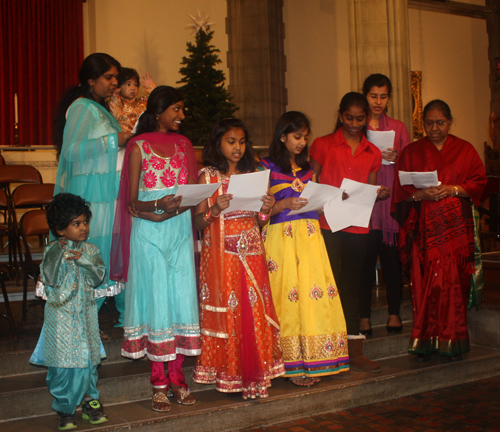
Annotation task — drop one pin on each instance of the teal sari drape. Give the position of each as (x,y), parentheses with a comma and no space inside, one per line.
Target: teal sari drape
(88,168)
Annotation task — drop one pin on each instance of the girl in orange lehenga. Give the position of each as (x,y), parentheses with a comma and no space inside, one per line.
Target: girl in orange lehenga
(240,348)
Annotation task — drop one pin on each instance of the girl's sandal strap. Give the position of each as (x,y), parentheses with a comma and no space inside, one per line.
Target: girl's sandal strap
(160,401)
(183,396)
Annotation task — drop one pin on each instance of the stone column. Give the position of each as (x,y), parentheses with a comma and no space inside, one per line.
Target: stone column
(379,43)
(257,64)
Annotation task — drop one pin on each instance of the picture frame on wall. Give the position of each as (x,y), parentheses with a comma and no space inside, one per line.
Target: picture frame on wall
(416,92)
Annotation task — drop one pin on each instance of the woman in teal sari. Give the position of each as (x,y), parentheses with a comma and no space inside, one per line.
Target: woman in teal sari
(88,141)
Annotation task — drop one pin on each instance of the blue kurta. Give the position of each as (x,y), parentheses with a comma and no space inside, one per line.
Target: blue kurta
(70,334)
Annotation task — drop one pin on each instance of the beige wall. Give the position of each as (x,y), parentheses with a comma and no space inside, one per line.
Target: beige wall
(318,65)
(149,35)
(451,52)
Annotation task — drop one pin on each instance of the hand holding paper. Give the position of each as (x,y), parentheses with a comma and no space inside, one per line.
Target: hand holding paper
(354,211)
(247,191)
(420,180)
(317,196)
(383,140)
(193,194)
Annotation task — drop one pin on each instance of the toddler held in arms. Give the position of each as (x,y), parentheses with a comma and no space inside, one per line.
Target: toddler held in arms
(124,105)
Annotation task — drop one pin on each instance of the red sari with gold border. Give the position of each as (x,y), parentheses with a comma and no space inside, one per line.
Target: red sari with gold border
(240,349)
(437,241)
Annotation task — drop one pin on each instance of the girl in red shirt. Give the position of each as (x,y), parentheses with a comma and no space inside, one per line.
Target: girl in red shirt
(347,154)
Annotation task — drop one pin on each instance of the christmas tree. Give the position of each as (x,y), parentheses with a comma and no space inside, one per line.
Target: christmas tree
(206,99)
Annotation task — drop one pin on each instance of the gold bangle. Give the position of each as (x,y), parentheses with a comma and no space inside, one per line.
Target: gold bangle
(207,217)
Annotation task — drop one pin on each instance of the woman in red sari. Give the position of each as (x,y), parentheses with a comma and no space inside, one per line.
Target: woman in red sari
(437,234)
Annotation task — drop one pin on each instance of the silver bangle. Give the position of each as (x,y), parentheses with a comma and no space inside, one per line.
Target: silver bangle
(156,208)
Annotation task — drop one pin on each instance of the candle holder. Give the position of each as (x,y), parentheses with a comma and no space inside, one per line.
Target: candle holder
(16,133)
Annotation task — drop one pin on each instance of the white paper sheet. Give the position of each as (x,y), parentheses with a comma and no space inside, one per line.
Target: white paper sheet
(383,140)
(317,195)
(193,194)
(247,190)
(354,211)
(420,180)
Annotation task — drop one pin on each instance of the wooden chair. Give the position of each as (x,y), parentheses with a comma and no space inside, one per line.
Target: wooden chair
(32,223)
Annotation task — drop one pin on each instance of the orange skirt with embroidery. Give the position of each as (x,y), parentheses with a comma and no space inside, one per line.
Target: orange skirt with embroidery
(240,332)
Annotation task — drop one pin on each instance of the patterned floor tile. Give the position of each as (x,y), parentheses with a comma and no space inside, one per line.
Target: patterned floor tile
(468,407)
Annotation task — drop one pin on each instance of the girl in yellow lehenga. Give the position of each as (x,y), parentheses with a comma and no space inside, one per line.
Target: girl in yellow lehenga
(313,332)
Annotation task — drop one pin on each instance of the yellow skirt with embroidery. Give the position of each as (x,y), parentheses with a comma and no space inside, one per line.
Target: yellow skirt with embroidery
(313,333)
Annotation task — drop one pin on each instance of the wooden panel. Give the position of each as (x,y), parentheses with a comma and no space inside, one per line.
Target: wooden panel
(451,7)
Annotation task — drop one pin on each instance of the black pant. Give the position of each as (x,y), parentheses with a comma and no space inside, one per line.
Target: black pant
(346,252)
(391,270)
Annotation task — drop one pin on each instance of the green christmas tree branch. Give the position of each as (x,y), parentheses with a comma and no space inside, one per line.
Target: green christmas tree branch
(206,99)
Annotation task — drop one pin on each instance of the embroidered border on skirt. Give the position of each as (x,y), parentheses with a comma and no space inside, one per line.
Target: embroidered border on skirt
(163,351)
(234,384)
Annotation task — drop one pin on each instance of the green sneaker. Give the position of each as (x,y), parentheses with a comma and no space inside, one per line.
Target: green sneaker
(93,413)
(66,421)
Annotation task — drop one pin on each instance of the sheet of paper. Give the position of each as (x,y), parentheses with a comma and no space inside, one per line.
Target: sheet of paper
(383,140)
(317,195)
(419,179)
(354,211)
(194,194)
(247,190)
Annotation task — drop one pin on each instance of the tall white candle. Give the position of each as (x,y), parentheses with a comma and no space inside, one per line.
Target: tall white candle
(16,114)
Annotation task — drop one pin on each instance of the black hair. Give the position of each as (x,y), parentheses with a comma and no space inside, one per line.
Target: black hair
(127,74)
(290,122)
(212,154)
(65,208)
(352,99)
(159,100)
(377,80)
(439,105)
(93,67)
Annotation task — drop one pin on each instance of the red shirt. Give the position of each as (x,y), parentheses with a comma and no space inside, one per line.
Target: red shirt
(337,162)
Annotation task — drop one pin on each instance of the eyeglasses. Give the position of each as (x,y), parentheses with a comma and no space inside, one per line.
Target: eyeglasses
(431,123)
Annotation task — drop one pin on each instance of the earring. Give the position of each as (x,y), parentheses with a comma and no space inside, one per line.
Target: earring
(157,118)
(91,89)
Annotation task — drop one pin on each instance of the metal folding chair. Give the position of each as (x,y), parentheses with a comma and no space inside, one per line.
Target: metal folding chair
(32,223)
(29,196)
(15,174)
(8,316)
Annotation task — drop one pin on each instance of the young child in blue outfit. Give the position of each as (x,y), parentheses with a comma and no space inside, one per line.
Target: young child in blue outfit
(69,344)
